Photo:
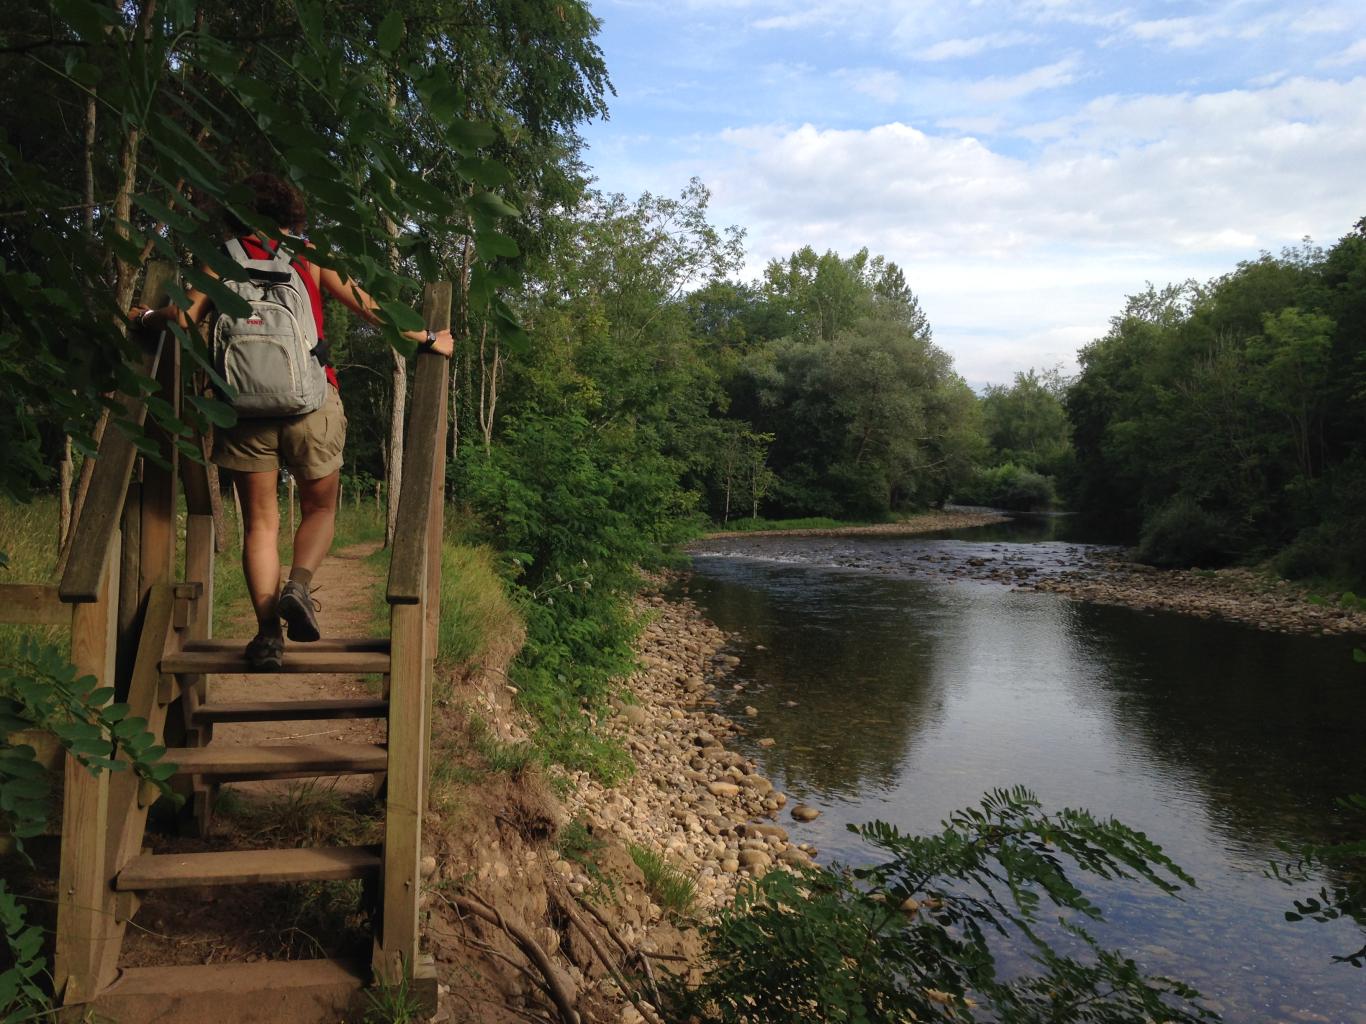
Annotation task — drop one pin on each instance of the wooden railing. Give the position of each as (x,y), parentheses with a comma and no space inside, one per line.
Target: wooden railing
(414,595)
(127,614)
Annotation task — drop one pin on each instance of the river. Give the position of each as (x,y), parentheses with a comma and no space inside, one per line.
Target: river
(898,687)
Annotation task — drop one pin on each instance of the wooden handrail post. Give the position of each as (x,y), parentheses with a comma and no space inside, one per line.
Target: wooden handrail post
(83,927)
(414,584)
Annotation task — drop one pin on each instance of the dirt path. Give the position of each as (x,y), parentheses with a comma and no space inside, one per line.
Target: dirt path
(345,587)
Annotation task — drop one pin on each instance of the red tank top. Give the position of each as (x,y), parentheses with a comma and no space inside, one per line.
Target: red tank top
(257,251)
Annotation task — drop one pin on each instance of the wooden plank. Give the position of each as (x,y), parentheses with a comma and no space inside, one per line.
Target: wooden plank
(130,597)
(397,946)
(199,552)
(296,661)
(291,710)
(127,812)
(311,758)
(247,867)
(103,506)
(160,484)
(84,927)
(327,645)
(194,480)
(408,561)
(32,604)
(298,991)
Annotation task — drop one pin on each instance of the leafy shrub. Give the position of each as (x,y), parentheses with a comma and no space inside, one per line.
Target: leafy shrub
(1010,487)
(576,511)
(916,938)
(1182,534)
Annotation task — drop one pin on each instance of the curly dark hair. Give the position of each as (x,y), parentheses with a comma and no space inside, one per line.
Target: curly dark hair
(275,199)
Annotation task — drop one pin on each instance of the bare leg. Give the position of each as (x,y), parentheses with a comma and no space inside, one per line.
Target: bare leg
(318,521)
(261,544)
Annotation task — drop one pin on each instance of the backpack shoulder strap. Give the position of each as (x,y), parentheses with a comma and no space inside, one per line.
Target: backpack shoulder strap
(275,270)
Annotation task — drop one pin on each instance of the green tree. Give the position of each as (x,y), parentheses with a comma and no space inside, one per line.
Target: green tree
(1026,423)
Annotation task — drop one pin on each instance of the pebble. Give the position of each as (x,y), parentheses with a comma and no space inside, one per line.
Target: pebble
(804,813)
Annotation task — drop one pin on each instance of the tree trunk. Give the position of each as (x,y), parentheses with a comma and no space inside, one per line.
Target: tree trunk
(125,273)
(462,329)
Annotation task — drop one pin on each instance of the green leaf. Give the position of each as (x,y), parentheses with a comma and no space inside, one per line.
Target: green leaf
(469,135)
(495,204)
(220,414)
(1359,656)
(495,243)
(402,316)
(390,33)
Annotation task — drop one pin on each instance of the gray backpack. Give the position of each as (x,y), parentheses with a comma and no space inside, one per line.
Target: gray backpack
(270,355)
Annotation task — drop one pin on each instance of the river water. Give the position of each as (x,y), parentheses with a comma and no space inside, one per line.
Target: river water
(916,690)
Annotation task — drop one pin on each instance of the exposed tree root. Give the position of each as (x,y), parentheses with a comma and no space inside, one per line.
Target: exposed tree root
(568,906)
(553,982)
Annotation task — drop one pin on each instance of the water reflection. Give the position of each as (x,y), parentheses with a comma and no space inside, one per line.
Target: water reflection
(914,695)
(852,660)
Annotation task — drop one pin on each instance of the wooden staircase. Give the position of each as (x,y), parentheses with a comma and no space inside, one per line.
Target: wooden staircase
(149,636)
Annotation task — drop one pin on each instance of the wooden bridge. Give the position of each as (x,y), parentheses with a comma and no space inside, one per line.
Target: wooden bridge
(145,629)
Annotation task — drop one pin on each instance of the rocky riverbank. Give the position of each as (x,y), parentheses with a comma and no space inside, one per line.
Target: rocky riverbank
(700,805)
(1106,576)
(923,522)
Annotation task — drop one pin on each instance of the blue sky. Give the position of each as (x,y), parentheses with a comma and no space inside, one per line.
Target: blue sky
(1028,163)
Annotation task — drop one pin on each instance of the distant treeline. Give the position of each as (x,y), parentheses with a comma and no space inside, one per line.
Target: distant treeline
(1227,421)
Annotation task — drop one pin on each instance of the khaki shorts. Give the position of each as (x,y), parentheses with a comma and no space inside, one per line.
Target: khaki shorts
(309,445)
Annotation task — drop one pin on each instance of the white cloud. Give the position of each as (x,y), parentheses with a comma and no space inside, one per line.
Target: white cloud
(879,83)
(999,89)
(1354,54)
(1045,246)
(955,49)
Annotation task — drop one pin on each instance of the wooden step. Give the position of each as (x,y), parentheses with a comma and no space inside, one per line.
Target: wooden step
(298,991)
(245,867)
(327,645)
(289,710)
(222,760)
(297,660)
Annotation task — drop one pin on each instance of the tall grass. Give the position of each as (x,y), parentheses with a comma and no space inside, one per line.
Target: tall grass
(668,887)
(479,623)
(28,540)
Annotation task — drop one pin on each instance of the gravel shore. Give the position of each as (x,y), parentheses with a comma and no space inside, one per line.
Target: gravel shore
(923,522)
(1237,595)
(700,805)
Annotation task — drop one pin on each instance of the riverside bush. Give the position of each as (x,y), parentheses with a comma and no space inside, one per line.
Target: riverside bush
(1182,534)
(1010,487)
(917,937)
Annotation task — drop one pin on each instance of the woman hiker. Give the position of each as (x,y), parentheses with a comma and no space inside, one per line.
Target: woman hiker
(309,444)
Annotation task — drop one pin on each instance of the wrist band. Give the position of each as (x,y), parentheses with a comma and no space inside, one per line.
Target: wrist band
(428,342)
(142,317)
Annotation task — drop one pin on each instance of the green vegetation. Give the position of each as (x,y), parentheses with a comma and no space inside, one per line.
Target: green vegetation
(616,389)
(667,886)
(917,936)
(1224,421)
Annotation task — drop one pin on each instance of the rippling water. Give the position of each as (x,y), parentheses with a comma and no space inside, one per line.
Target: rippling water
(916,691)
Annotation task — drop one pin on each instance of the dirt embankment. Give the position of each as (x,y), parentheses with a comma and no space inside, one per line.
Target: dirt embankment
(1237,595)
(923,522)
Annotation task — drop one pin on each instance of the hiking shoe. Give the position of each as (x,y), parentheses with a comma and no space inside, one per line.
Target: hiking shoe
(296,607)
(266,653)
